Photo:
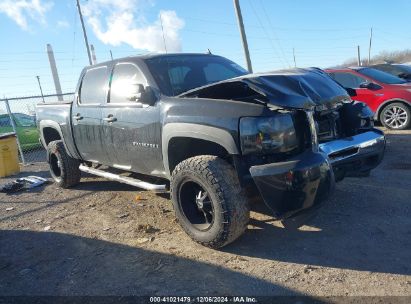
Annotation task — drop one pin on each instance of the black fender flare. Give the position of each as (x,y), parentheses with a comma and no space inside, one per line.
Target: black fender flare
(54,125)
(213,134)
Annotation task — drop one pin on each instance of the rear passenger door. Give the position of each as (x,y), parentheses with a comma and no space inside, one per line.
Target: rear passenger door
(86,115)
(132,130)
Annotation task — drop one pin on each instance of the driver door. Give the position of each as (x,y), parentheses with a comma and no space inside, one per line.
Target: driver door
(131,129)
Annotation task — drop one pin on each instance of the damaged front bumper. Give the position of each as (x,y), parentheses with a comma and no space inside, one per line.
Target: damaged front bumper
(291,189)
(357,154)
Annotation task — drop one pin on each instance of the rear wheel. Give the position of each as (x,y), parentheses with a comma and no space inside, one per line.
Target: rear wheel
(208,200)
(63,169)
(396,116)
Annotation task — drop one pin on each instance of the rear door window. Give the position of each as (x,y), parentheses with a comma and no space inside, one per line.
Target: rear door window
(348,80)
(94,86)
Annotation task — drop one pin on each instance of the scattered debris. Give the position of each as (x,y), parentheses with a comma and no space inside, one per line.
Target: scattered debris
(47,228)
(38,221)
(10,209)
(139,198)
(106,229)
(159,265)
(25,271)
(123,215)
(23,183)
(308,268)
(147,228)
(142,240)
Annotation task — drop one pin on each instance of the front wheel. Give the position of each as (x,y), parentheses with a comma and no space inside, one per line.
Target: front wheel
(208,200)
(396,116)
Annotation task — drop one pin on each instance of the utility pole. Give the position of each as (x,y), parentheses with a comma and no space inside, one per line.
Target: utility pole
(369,49)
(295,63)
(54,73)
(111,55)
(162,30)
(243,35)
(41,90)
(93,54)
(359,55)
(84,33)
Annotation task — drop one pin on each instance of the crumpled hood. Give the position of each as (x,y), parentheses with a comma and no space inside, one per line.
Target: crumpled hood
(299,88)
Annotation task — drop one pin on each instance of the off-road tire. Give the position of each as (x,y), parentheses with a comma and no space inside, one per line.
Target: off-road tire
(403,108)
(63,169)
(231,208)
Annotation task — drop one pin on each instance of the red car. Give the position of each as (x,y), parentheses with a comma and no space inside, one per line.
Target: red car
(387,95)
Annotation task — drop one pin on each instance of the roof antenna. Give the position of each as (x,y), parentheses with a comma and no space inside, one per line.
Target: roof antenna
(162,29)
(209,52)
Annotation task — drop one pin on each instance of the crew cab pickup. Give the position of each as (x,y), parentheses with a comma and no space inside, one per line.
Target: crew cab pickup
(201,127)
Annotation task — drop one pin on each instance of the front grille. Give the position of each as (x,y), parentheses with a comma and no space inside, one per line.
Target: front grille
(328,126)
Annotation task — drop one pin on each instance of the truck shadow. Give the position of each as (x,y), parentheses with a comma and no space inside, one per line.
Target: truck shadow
(341,242)
(48,263)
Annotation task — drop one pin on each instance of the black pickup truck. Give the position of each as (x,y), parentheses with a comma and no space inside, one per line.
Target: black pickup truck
(201,127)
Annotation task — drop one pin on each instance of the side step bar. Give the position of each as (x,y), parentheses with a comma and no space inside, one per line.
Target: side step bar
(124,179)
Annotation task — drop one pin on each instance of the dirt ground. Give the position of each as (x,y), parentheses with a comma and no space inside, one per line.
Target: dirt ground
(105,238)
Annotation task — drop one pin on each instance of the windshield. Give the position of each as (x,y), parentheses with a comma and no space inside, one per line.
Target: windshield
(405,68)
(25,120)
(381,76)
(180,73)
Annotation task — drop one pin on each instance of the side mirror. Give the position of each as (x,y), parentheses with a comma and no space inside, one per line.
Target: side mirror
(148,97)
(144,95)
(352,92)
(370,86)
(136,92)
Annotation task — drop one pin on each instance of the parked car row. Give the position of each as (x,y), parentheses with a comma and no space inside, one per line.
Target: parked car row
(385,88)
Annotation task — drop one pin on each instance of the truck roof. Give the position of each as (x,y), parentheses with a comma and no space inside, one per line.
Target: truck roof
(154,55)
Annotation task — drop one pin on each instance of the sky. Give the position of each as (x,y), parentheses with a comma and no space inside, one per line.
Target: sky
(323,33)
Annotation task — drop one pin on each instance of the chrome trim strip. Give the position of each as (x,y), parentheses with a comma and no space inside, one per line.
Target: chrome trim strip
(368,142)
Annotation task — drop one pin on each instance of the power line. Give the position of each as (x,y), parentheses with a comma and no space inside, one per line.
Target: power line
(272,30)
(263,28)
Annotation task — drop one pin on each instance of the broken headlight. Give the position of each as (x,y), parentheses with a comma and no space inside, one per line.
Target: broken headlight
(268,135)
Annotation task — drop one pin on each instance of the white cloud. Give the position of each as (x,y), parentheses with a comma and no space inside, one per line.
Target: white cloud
(121,21)
(63,24)
(22,10)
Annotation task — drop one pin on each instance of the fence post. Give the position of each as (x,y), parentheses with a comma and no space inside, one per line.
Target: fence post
(15,130)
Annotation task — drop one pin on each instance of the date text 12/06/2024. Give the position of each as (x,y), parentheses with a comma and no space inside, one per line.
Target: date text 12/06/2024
(240,299)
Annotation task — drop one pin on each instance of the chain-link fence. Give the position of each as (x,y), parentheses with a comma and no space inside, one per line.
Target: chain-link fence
(18,115)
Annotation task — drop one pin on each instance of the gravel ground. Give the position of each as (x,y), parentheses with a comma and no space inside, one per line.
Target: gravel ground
(105,238)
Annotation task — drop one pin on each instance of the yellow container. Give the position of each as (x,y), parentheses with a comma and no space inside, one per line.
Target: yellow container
(9,158)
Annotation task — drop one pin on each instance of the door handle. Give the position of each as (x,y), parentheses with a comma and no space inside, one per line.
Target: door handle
(110,118)
(78,117)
